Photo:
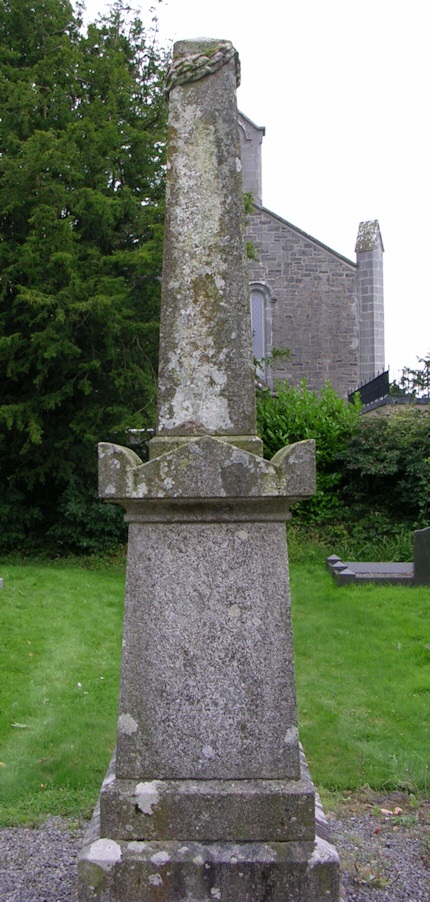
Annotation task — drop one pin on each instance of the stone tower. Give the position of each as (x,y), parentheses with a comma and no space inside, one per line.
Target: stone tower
(370,289)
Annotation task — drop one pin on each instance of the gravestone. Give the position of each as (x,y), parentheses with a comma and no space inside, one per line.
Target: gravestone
(422,556)
(409,573)
(209,796)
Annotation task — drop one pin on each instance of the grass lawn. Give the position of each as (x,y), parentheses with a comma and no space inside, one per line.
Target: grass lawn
(60,645)
(363,683)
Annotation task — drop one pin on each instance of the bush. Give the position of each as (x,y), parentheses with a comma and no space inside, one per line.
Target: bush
(386,469)
(373,473)
(298,413)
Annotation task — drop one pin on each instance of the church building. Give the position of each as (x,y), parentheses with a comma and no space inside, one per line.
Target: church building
(328,311)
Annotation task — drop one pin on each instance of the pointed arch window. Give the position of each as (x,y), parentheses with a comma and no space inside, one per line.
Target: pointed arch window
(261,324)
(258,323)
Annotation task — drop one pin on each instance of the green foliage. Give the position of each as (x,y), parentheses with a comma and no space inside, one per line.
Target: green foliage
(373,472)
(367,539)
(248,200)
(386,469)
(295,414)
(416,382)
(276,355)
(82,135)
(396,390)
(250,251)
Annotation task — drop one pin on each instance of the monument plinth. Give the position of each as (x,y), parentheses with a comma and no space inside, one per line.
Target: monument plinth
(208,797)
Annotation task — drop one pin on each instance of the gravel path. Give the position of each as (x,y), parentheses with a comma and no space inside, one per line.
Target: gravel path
(385,857)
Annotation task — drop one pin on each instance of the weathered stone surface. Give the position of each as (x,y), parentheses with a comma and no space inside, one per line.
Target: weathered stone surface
(207,468)
(187,871)
(297,463)
(206,378)
(161,444)
(207,688)
(209,810)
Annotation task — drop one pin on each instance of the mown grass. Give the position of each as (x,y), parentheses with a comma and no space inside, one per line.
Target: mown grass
(363,683)
(60,638)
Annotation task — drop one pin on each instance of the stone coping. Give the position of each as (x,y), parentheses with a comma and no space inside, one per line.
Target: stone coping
(350,572)
(411,573)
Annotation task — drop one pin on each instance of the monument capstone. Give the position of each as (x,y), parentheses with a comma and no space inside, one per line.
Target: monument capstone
(209,796)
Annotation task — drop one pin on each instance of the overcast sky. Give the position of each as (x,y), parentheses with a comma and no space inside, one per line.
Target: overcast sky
(343,91)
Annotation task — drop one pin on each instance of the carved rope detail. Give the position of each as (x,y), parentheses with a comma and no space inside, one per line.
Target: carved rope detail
(198,65)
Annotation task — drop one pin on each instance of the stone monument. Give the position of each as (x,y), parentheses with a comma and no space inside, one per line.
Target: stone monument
(209,797)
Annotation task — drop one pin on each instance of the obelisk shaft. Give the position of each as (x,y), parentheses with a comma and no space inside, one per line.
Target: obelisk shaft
(208,798)
(206,380)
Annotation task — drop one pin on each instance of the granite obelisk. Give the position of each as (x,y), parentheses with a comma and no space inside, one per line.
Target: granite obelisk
(209,797)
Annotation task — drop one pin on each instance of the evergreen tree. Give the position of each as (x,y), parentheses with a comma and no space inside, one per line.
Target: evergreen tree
(82,136)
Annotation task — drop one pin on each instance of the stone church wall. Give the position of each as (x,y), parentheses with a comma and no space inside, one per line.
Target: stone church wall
(310,304)
(305,297)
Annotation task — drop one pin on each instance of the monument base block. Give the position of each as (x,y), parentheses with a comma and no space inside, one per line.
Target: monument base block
(208,810)
(303,869)
(111,871)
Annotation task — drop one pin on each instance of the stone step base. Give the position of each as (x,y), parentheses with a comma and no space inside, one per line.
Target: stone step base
(208,810)
(111,871)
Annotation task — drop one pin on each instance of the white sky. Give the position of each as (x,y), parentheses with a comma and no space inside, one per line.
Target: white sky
(343,90)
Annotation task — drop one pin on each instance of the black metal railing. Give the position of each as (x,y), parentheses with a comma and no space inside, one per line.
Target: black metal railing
(377,388)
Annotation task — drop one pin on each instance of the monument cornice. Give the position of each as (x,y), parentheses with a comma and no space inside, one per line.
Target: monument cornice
(207,471)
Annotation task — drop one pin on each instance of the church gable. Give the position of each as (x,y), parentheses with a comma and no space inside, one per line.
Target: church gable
(305,297)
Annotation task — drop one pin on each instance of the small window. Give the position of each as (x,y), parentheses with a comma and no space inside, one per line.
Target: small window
(258,324)
(262,305)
